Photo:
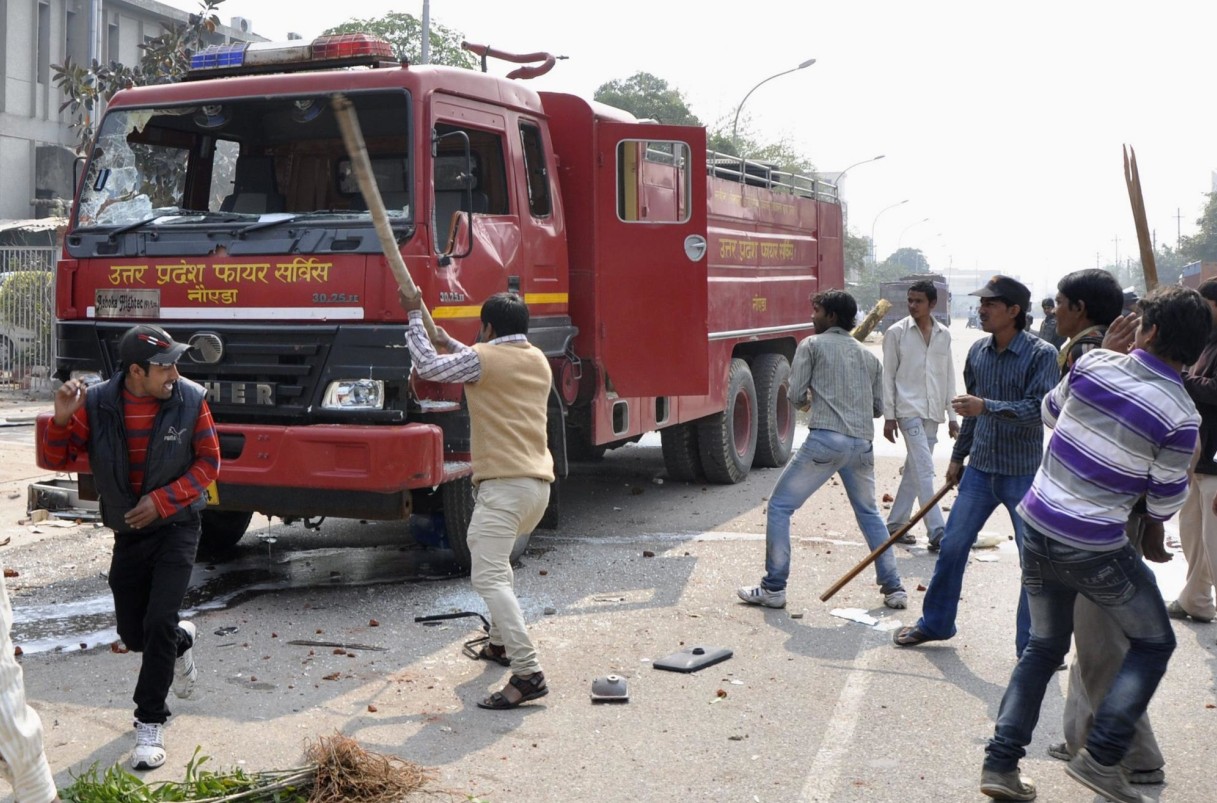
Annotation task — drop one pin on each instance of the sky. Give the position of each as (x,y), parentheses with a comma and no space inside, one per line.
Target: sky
(1002,123)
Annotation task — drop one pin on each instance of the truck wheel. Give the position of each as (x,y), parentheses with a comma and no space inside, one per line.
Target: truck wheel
(727,440)
(553,512)
(680,454)
(222,529)
(775,419)
(457,501)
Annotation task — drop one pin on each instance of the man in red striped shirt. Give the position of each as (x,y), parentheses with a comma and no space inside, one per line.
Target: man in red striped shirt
(153,451)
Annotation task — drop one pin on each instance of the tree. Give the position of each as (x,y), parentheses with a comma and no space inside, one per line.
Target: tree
(405,33)
(1202,245)
(647,98)
(904,262)
(165,59)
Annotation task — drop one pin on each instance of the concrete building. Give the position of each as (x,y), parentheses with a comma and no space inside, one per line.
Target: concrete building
(37,142)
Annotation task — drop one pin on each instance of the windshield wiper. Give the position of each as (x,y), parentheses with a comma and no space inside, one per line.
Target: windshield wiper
(121,230)
(265,224)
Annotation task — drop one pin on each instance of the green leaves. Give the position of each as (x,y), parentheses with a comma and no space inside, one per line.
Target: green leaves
(405,33)
(164,59)
(116,785)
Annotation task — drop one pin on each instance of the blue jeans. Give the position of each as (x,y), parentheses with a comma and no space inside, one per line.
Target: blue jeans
(979,495)
(1124,587)
(822,455)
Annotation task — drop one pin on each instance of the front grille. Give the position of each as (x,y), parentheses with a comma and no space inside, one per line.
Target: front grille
(290,365)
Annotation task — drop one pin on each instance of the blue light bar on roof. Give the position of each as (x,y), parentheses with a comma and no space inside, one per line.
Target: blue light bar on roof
(216,57)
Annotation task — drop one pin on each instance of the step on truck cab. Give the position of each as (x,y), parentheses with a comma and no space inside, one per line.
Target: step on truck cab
(668,289)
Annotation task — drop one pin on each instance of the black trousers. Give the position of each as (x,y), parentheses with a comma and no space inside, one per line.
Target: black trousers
(149,574)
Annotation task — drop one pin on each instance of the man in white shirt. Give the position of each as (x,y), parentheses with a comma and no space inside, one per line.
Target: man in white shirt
(918,384)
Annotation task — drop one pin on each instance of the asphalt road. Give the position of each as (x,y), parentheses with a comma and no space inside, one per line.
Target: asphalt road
(811,706)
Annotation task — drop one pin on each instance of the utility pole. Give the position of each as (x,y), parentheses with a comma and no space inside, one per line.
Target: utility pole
(1178,228)
(1116,240)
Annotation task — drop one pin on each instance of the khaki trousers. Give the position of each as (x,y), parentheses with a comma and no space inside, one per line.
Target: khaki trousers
(504,510)
(1099,647)
(1198,537)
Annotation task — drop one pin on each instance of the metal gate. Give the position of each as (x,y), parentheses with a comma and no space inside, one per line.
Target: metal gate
(27,316)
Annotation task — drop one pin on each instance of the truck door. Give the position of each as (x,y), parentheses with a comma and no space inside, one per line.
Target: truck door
(651,279)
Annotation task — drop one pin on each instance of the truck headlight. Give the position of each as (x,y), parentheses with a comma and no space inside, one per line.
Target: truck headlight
(354,394)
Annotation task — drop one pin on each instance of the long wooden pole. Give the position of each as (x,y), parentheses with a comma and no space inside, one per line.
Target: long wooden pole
(885,546)
(1132,178)
(357,150)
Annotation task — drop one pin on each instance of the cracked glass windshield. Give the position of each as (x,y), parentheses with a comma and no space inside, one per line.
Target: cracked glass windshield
(242,161)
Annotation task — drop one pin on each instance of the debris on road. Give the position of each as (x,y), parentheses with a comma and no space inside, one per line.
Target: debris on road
(855,615)
(341,644)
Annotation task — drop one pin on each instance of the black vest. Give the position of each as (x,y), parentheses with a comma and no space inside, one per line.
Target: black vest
(170,449)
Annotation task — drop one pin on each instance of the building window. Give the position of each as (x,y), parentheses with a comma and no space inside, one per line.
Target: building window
(112,43)
(44,43)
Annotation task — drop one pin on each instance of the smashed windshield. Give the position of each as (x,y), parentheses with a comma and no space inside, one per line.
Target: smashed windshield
(243,160)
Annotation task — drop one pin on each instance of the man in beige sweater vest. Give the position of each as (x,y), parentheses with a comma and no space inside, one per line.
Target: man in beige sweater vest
(507,382)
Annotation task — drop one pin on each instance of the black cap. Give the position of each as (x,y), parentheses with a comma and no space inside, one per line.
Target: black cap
(152,344)
(1012,290)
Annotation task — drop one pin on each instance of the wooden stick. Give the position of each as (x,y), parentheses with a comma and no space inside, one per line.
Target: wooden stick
(1133,179)
(879,550)
(872,319)
(357,150)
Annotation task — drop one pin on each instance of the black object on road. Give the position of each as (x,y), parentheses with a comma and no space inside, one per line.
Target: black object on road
(692,659)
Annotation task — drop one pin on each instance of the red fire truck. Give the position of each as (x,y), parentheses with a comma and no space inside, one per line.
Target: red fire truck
(667,287)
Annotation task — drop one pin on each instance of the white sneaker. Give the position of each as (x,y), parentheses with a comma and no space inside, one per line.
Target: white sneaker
(898,599)
(759,595)
(149,752)
(185,673)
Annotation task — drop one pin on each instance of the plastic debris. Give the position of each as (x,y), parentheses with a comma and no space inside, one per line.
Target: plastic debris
(855,615)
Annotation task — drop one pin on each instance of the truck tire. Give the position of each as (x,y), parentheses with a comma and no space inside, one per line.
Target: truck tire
(775,413)
(456,497)
(680,453)
(727,440)
(458,501)
(222,529)
(553,511)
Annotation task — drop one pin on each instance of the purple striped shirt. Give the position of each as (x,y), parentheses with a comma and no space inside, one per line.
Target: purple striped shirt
(1123,426)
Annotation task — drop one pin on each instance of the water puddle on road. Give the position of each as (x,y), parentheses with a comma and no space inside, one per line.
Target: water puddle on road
(87,623)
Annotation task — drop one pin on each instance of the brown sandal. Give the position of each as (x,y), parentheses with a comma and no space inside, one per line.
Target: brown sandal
(530,688)
(494,652)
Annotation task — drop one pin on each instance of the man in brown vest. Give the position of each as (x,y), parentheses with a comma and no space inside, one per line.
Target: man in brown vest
(507,382)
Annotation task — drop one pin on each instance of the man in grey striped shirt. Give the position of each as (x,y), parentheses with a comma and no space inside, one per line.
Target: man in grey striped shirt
(845,382)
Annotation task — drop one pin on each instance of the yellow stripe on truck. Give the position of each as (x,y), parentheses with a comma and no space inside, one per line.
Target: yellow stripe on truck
(451,313)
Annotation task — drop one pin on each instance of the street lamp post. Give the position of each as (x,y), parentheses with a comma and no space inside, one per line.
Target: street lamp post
(873,251)
(841,175)
(735,123)
(900,242)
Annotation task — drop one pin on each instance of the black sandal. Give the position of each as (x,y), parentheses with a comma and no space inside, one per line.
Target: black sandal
(494,652)
(532,687)
(911,637)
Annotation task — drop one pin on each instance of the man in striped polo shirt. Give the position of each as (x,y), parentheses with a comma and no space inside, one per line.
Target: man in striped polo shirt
(1005,378)
(1123,427)
(153,451)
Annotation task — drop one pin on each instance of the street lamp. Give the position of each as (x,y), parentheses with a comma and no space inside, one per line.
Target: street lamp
(873,252)
(841,175)
(735,124)
(900,241)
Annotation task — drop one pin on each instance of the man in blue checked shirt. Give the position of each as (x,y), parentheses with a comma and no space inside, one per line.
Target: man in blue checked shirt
(1005,377)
